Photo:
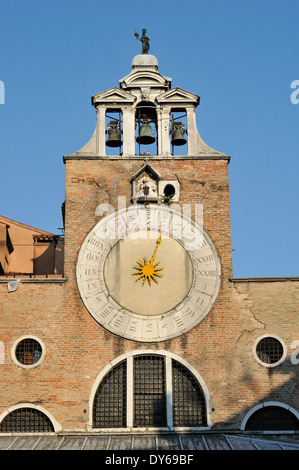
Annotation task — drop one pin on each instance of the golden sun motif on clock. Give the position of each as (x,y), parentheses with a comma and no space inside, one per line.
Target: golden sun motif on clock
(176,284)
(148,270)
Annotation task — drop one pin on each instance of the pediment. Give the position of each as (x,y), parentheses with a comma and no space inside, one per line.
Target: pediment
(147,169)
(113,95)
(178,95)
(145,78)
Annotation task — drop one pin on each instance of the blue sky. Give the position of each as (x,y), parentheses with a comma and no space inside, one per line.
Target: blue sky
(240,57)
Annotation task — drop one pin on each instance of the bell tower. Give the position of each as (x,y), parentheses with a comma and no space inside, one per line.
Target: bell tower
(146,152)
(145,116)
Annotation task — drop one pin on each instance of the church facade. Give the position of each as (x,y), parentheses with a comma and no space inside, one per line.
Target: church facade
(147,329)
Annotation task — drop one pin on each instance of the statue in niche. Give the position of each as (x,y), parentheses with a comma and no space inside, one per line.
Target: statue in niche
(144,40)
(146,187)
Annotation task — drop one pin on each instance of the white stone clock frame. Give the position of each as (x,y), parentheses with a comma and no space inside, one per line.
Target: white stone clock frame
(133,326)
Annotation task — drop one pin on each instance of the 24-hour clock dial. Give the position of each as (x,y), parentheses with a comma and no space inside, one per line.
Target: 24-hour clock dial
(148,279)
(148,273)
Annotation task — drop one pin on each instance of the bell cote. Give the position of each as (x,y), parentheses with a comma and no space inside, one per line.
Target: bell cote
(145,116)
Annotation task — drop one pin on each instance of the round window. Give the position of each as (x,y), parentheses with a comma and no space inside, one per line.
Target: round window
(28,351)
(269,351)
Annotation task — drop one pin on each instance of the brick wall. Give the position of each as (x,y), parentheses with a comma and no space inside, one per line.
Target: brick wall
(77,348)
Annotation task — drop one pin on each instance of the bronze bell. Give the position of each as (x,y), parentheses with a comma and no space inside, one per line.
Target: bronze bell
(178,135)
(114,135)
(145,135)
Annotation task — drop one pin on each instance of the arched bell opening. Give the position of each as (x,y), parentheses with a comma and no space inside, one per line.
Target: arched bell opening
(114,133)
(146,128)
(178,132)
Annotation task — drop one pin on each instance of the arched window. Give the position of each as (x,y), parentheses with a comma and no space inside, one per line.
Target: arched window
(271,417)
(149,390)
(26,419)
(109,408)
(189,407)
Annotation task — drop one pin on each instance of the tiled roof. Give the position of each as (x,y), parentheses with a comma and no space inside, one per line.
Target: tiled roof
(163,442)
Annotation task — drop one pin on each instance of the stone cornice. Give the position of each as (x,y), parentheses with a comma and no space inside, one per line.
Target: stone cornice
(31,280)
(147,158)
(264,279)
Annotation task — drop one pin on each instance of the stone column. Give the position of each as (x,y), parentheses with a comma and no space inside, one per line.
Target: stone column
(163,131)
(100,142)
(128,131)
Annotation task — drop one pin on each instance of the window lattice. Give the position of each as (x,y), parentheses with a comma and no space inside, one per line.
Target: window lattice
(26,420)
(269,350)
(149,391)
(109,410)
(189,407)
(272,418)
(28,351)
(148,406)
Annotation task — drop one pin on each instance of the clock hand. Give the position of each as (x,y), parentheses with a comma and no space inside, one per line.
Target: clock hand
(147,270)
(156,249)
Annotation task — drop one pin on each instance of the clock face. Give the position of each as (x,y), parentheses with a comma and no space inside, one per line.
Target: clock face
(148,274)
(139,273)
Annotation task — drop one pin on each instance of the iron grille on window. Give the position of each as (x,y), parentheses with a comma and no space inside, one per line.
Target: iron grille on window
(28,351)
(26,420)
(109,410)
(149,391)
(189,407)
(272,418)
(148,407)
(269,350)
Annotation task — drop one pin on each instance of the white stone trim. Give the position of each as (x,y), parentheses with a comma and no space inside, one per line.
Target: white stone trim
(56,425)
(168,370)
(13,351)
(269,335)
(262,405)
(129,357)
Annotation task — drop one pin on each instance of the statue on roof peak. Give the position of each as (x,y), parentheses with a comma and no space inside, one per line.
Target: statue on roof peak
(144,40)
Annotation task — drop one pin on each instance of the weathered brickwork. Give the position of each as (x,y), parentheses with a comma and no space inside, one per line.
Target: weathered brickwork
(220,348)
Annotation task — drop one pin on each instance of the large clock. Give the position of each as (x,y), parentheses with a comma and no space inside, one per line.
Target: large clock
(148,274)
